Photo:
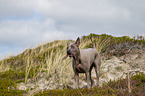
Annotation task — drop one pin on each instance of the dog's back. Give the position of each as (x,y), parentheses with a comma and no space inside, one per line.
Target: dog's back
(89,55)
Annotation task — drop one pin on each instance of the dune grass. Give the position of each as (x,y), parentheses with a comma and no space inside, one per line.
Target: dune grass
(50,61)
(4,67)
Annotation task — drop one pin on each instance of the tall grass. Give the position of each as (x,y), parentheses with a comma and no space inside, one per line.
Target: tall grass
(4,64)
(28,67)
(59,70)
(100,43)
(4,67)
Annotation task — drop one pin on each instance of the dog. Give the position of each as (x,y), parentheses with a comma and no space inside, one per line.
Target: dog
(83,60)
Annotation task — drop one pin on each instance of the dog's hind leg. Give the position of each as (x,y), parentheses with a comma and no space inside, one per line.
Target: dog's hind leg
(97,66)
(88,79)
(97,74)
(92,82)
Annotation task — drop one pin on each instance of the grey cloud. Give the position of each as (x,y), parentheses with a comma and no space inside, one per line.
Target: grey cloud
(108,16)
(24,32)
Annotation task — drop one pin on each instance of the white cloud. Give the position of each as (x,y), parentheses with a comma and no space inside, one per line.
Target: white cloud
(16,8)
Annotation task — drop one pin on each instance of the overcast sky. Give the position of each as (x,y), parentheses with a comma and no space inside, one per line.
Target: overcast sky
(27,23)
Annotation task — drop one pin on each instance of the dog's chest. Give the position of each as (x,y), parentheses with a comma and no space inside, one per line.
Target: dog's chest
(80,69)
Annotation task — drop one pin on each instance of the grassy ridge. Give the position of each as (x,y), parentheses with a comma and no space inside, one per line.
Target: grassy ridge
(48,58)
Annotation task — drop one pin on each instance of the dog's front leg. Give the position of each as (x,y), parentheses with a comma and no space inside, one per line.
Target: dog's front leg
(77,79)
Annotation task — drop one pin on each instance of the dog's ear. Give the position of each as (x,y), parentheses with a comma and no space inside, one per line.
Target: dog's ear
(68,43)
(78,42)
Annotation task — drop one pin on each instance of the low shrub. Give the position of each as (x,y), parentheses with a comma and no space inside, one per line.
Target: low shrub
(8,82)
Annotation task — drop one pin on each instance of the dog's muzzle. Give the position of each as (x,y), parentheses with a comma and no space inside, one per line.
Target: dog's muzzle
(69,53)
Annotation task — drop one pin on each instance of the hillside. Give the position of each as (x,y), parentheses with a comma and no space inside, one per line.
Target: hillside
(42,68)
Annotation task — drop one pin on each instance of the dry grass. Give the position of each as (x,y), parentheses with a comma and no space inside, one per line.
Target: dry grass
(99,42)
(59,70)
(4,67)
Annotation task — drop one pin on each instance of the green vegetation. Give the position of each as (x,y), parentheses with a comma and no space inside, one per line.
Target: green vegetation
(137,85)
(79,92)
(47,58)
(8,82)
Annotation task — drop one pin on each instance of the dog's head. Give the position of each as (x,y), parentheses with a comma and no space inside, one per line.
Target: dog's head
(73,49)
